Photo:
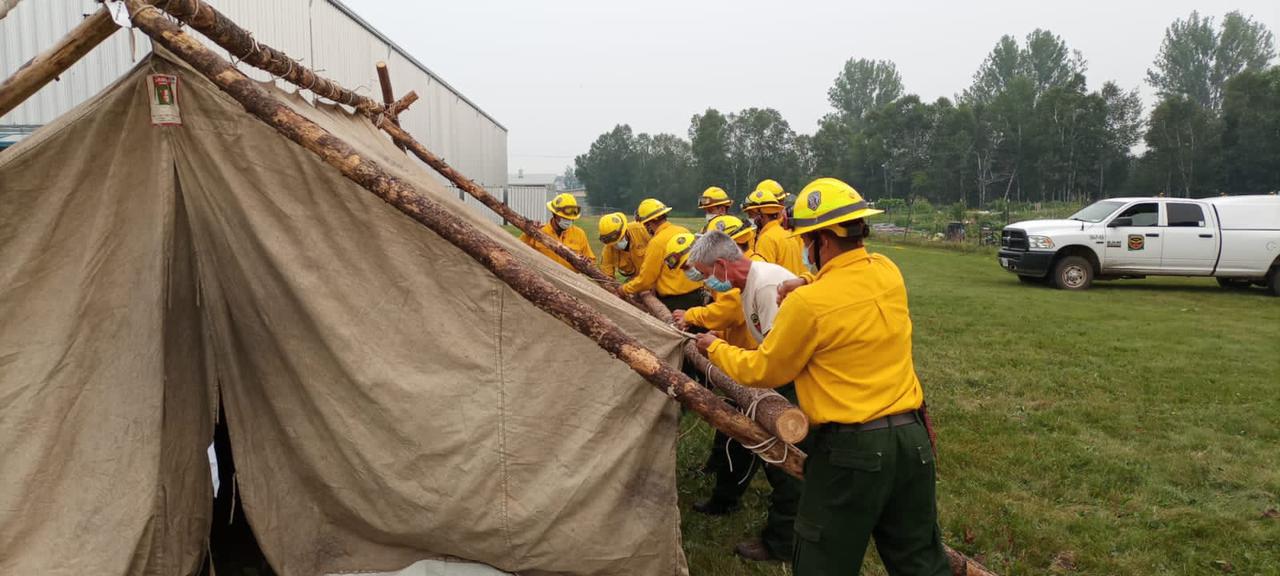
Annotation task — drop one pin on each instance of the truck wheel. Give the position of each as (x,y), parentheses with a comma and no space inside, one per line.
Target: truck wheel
(1073,273)
(1233,283)
(1273,285)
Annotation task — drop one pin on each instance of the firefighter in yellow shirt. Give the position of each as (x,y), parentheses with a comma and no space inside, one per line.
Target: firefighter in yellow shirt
(845,340)
(772,186)
(773,242)
(742,233)
(674,289)
(723,314)
(714,202)
(564,211)
(624,245)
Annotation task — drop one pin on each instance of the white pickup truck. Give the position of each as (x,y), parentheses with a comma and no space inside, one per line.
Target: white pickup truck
(1235,239)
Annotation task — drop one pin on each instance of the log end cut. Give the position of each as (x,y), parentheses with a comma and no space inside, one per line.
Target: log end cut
(792,426)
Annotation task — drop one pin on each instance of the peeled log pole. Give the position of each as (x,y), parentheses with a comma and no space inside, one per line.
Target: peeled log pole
(524,280)
(780,417)
(49,64)
(388,95)
(282,66)
(240,44)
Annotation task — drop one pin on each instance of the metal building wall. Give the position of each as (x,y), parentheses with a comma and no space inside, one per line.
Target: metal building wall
(320,33)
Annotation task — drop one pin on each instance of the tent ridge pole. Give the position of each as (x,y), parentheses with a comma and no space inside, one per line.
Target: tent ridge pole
(503,264)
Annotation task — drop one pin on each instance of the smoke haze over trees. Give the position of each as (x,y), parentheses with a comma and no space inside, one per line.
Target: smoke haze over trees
(1030,127)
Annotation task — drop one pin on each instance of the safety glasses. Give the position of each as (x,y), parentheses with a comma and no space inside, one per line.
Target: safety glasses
(570,211)
(611,237)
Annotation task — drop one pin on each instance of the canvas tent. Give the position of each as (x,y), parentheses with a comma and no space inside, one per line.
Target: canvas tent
(389,399)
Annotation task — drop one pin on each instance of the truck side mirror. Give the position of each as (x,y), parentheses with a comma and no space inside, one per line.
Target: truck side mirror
(1121,222)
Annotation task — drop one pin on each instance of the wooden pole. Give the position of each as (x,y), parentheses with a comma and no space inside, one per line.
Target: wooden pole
(774,413)
(388,96)
(281,66)
(511,270)
(49,64)
(238,42)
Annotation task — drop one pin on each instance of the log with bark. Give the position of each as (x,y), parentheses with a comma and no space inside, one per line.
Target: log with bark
(48,65)
(388,96)
(528,284)
(498,260)
(767,411)
(780,417)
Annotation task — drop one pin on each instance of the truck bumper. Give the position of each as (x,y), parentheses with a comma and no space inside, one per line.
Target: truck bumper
(1030,263)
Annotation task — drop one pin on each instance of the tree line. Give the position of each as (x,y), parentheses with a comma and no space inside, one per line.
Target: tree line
(1028,129)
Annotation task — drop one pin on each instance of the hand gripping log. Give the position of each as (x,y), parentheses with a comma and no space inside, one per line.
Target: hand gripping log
(779,417)
(511,270)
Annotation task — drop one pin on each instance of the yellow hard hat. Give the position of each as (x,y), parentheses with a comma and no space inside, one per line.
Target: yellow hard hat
(740,231)
(678,249)
(565,206)
(712,197)
(826,202)
(612,226)
(651,208)
(764,201)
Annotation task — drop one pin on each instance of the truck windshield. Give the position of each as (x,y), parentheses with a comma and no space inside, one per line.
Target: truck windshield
(1097,211)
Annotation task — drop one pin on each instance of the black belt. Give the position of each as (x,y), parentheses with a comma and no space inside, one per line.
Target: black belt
(894,420)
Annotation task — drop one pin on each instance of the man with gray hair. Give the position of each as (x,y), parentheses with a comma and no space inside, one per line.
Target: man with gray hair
(716,257)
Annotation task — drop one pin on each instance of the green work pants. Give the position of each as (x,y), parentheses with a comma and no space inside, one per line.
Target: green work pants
(862,484)
(778,533)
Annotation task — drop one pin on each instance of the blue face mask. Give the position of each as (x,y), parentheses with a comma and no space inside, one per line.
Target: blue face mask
(693,274)
(718,285)
(804,257)
(622,244)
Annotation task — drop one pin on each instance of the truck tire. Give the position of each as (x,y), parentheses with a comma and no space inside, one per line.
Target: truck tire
(1273,284)
(1233,283)
(1072,273)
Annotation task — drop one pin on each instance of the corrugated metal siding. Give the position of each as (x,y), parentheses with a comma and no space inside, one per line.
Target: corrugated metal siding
(316,32)
(527,201)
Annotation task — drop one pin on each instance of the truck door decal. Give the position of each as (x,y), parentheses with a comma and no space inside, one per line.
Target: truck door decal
(1137,242)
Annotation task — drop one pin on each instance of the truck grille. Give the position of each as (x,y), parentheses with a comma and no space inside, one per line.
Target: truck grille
(1014,239)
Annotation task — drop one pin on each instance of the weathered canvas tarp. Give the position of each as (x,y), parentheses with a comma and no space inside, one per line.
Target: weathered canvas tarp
(389,400)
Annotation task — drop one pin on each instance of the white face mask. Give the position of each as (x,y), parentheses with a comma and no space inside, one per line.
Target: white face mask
(622,244)
(563,224)
(711,216)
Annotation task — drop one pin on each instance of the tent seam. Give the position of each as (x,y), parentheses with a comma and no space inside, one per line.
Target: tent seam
(502,420)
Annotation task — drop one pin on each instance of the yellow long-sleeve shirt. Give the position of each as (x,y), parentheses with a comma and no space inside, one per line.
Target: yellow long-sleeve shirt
(845,340)
(724,314)
(654,274)
(629,261)
(776,246)
(574,238)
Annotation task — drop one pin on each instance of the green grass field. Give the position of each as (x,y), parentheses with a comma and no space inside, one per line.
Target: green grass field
(1130,429)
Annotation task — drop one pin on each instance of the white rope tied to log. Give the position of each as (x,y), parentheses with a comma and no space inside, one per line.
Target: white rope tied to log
(758,449)
(6,6)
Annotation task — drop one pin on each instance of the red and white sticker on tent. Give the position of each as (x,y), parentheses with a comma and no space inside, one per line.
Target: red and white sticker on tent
(163,94)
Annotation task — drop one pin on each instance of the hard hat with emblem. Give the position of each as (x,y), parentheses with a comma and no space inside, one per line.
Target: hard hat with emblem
(712,197)
(826,202)
(773,186)
(565,206)
(741,232)
(764,201)
(612,226)
(678,250)
(649,209)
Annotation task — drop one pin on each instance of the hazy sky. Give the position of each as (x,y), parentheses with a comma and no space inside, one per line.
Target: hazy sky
(559,73)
